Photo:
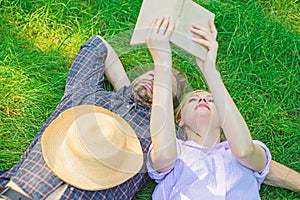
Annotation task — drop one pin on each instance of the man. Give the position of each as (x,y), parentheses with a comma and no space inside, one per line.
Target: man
(31,175)
(84,85)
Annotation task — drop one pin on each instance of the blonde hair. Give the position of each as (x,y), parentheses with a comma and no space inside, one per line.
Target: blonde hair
(183,102)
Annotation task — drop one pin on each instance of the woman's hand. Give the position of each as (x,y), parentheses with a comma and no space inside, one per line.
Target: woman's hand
(207,38)
(162,125)
(232,122)
(158,40)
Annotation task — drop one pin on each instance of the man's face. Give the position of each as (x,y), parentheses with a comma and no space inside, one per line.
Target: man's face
(143,87)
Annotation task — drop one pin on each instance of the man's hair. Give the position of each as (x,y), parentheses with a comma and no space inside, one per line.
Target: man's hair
(181,83)
(178,74)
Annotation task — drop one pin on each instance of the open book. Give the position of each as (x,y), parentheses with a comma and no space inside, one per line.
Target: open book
(183,12)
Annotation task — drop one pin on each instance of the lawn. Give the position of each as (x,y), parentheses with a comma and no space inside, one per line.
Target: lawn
(258,58)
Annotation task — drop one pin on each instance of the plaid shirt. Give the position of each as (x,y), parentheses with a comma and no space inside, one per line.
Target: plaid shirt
(84,85)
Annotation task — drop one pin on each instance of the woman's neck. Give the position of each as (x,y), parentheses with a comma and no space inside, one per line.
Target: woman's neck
(204,135)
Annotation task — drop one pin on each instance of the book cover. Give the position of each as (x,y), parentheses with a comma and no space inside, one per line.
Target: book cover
(183,12)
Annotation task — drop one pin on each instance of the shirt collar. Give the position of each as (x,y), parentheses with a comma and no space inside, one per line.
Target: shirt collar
(222,145)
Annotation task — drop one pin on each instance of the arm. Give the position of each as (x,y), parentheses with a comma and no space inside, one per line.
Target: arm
(231,120)
(114,69)
(162,132)
(279,175)
(282,176)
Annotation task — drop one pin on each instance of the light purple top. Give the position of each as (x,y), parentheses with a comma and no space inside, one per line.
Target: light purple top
(202,173)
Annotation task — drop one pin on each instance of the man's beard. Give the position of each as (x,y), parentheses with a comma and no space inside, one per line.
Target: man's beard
(141,95)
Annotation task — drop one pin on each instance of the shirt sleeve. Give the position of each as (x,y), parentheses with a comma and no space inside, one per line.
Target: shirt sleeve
(87,70)
(159,176)
(260,176)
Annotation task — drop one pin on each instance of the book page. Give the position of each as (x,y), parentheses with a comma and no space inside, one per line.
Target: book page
(182,37)
(150,10)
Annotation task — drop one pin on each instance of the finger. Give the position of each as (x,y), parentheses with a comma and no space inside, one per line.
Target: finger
(170,29)
(201,33)
(203,42)
(213,29)
(197,27)
(151,29)
(159,23)
(154,28)
(164,25)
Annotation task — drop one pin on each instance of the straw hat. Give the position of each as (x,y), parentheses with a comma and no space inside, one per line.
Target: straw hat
(91,148)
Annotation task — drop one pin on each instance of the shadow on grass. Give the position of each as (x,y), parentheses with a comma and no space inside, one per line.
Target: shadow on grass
(258,59)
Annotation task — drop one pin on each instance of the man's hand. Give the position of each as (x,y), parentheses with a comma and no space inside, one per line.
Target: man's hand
(158,40)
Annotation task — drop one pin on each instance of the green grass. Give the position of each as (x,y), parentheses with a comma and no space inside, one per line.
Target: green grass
(258,59)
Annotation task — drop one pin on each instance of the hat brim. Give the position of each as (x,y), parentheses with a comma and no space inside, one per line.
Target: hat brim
(74,169)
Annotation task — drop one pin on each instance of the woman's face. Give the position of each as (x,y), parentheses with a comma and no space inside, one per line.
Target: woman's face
(199,109)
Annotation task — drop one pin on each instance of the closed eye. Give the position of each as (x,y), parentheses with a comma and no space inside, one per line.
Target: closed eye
(191,100)
(210,98)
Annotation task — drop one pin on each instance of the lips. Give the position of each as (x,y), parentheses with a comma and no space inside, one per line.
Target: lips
(148,86)
(202,106)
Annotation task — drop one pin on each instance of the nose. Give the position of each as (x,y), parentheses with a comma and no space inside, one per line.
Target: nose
(202,99)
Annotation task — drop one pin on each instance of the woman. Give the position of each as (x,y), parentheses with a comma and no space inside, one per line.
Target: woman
(200,167)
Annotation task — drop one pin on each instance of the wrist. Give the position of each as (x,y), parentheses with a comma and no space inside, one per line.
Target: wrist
(211,71)
(164,66)
(163,60)
(162,72)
